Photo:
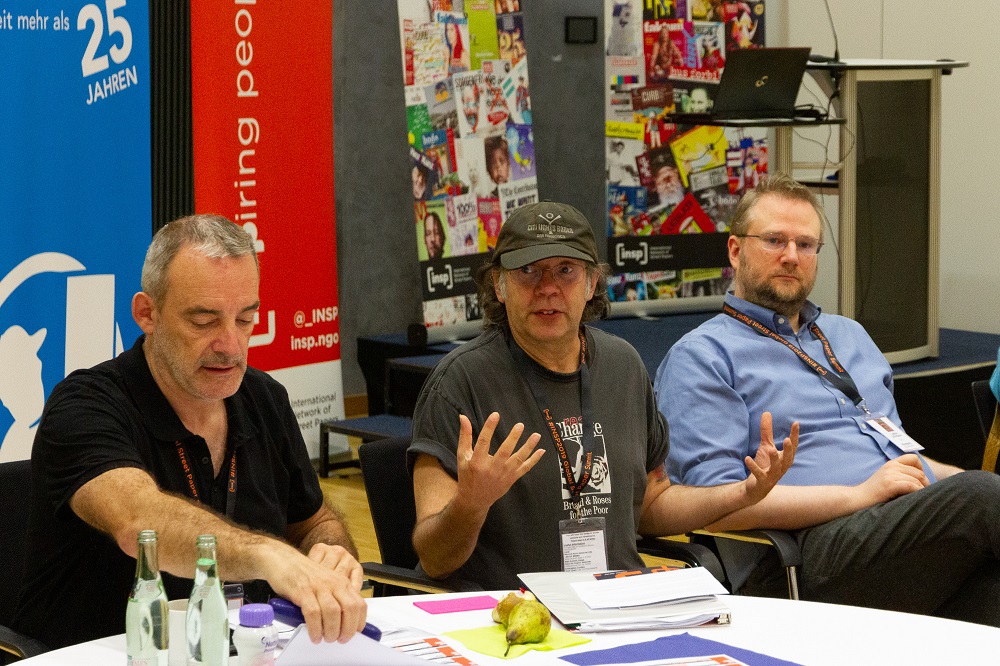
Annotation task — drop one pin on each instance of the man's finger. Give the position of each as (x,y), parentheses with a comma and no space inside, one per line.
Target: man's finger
(482,447)
(529,445)
(766,433)
(790,446)
(526,466)
(756,470)
(464,437)
(510,441)
(331,617)
(314,618)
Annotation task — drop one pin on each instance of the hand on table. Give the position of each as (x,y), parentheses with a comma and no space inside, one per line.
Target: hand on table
(326,586)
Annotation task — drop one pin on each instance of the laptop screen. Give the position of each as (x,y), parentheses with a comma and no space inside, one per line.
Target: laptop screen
(760,83)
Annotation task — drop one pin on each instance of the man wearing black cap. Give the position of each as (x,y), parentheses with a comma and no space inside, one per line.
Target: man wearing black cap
(489,510)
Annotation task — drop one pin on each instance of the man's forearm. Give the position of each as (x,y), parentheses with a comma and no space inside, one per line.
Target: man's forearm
(242,554)
(326,526)
(794,507)
(445,540)
(124,501)
(942,470)
(679,509)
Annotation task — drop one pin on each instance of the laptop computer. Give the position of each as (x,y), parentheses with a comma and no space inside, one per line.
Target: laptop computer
(755,84)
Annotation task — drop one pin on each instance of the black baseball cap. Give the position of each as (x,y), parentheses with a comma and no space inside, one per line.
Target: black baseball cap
(543,230)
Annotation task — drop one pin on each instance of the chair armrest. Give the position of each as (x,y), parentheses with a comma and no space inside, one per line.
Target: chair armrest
(782,541)
(20,645)
(693,554)
(388,574)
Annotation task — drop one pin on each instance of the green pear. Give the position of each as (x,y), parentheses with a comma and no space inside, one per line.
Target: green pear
(529,622)
(502,610)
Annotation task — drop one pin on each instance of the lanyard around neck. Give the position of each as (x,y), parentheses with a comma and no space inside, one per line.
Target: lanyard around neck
(524,366)
(838,376)
(193,489)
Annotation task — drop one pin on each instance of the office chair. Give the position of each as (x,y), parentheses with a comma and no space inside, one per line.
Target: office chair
(989,422)
(784,543)
(15,489)
(390,498)
(688,553)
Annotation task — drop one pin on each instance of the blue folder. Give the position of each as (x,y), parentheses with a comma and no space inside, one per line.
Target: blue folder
(681,645)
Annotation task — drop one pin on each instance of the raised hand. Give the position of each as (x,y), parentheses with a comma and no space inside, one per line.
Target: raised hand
(769,464)
(484,477)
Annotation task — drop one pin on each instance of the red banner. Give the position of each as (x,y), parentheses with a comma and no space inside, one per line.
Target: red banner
(262,96)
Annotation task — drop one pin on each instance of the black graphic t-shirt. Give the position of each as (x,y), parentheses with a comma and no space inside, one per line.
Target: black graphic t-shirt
(521,533)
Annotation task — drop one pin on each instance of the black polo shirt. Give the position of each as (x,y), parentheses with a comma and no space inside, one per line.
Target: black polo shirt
(77,580)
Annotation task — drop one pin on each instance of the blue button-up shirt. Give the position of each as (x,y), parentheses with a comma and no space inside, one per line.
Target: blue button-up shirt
(717,380)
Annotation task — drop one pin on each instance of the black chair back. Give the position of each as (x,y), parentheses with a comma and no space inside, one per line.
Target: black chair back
(15,498)
(15,492)
(390,499)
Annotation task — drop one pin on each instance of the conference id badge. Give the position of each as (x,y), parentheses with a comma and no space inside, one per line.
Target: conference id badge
(903,442)
(584,544)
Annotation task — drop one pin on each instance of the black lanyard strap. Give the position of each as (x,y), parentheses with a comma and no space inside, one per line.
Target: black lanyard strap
(193,488)
(538,392)
(838,376)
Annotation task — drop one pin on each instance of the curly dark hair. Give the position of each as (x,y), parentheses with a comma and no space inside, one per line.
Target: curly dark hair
(495,312)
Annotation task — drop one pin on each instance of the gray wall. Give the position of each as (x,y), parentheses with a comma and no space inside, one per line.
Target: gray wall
(970,114)
(376,243)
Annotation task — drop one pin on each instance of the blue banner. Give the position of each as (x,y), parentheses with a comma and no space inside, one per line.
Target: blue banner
(75,199)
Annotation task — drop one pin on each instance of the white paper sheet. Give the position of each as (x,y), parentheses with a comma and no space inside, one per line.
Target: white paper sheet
(647,589)
(359,651)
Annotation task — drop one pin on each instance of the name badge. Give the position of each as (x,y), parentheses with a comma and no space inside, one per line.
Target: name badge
(903,442)
(584,544)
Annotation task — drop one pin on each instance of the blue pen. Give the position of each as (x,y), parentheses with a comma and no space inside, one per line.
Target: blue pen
(290,614)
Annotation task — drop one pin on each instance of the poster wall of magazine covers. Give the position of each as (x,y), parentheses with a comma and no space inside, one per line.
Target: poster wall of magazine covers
(672,189)
(471,147)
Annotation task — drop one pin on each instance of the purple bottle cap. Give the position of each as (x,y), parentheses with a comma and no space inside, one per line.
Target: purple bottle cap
(256,615)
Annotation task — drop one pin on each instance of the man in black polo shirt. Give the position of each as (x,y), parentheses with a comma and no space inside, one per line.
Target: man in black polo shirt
(179,435)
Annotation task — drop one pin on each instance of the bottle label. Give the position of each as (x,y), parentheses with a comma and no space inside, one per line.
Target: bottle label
(204,592)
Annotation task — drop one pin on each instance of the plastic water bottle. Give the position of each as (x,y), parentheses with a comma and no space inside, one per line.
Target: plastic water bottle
(256,637)
(146,616)
(207,613)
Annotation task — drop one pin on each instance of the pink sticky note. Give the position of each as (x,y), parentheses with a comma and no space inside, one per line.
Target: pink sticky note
(456,605)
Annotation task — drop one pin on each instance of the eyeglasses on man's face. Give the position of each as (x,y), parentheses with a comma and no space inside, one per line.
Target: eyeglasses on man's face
(778,242)
(565,274)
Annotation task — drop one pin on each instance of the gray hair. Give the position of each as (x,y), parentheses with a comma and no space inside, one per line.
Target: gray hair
(778,184)
(211,235)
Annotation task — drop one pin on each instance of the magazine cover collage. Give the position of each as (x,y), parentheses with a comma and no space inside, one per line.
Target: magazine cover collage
(665,180)
(471,147)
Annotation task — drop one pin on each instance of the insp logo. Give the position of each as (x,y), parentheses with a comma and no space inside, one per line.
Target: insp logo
(444,279)
(639,254)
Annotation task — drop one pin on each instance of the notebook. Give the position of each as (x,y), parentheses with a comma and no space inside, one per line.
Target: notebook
(556,590)
(756,83)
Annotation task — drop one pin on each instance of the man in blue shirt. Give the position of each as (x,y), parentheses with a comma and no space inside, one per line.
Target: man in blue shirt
(879,524)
